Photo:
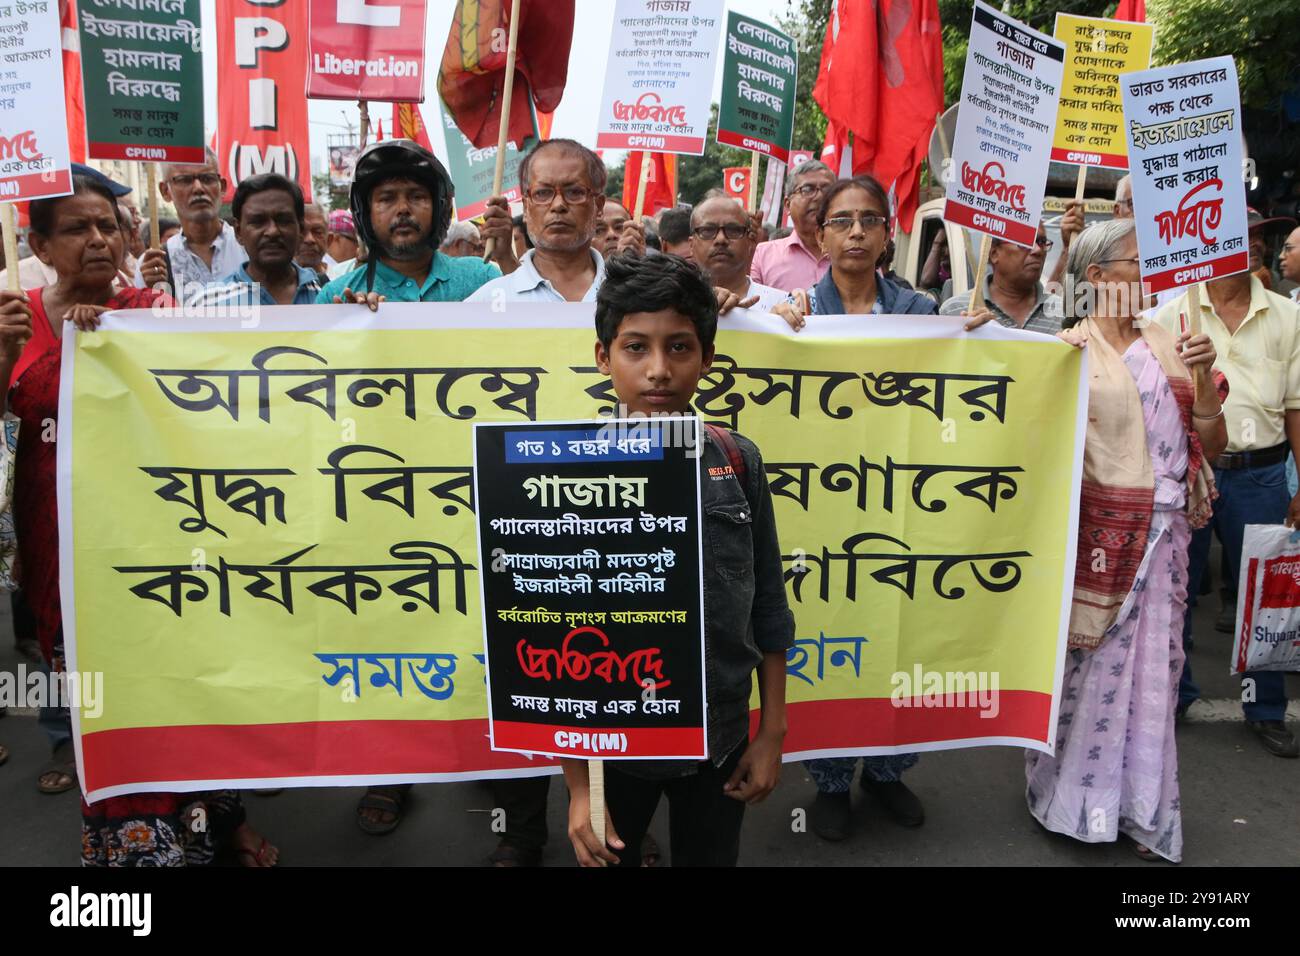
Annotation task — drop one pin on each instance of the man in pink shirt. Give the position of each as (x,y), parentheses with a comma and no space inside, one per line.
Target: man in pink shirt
(797,261)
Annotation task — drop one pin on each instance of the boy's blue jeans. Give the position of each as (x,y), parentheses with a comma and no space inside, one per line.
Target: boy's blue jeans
(1256,495)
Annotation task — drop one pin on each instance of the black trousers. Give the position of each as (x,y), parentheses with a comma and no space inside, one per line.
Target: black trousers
(524,801)
(703,822)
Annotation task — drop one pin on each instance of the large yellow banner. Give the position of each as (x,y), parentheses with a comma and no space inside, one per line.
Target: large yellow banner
(269,545)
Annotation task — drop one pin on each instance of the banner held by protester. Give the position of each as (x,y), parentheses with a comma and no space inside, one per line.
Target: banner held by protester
(34,158)
(759,74)
(359,51)
(142,70)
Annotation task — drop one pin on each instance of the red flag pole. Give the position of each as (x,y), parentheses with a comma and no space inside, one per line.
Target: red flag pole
(646,160)
(503,134)
(365,122)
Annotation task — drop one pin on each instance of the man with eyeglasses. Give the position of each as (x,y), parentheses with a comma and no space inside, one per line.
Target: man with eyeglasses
(723,244)
(1289,262)
(563,184)
(1124,198)
(1013,288)
(206,249)
(797,262)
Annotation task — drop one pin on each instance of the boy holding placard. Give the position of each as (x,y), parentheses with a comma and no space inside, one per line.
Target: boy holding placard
(656,318)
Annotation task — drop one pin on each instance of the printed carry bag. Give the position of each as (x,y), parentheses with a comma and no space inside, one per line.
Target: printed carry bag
(1268,609)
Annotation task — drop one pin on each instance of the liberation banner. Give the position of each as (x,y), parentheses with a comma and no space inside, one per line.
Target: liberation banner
(142,72)
(1184,132)
(297,599)
(472,170)
(1003,143)
(605,658)
(1090,121)
(759,71)
(34,156)
(261,116)
(659,80)
(363,50)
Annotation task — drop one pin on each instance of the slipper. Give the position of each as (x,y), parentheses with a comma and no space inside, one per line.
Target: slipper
(385,803)
(1146,853)
(650,852)
(509,855)
(62,765)
(255,857)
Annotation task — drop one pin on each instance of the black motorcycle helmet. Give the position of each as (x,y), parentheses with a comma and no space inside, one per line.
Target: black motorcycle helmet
(389,159)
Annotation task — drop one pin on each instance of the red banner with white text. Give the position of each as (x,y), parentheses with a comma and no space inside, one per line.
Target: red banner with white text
(261,112)
(366,50)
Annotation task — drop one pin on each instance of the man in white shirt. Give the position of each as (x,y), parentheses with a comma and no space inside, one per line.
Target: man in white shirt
(563,184)
(205,251)
(1289,262)
(723,244)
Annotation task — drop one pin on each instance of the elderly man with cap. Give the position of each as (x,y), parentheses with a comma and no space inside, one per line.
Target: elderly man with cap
(401,208)
(1261,247)
(34,274)
(341,243)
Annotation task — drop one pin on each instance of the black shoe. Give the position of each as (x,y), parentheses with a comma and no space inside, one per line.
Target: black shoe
(901,803)
(1276,739)
(829,816)
(1180,712)
(1226,622)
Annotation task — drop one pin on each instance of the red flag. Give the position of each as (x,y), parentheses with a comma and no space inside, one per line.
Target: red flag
(472,78)
(409,124)
(544,123)
(379,130)
(836,152)
(660,191)
(1135,11)
(261,112)
(881,78)
(735,182)
(74,96)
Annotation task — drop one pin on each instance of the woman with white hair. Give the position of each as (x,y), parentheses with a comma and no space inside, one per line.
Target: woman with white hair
(1146,482)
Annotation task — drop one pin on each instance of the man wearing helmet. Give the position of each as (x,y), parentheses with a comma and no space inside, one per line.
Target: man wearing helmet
(401,208)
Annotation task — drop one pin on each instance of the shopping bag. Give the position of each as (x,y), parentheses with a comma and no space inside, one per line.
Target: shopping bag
(1268,607)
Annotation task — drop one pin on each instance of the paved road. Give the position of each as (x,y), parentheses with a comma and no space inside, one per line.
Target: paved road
(1239,805)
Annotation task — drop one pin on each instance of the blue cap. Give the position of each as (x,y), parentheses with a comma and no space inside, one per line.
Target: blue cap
(116,188)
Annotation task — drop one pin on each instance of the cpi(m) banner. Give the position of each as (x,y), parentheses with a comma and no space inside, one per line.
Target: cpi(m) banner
(261,113)
(268,532)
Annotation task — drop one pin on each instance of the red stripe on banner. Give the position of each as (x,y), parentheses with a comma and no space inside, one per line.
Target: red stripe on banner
(151,154)
(1084,158)
(1248,616)
(877,722)
(694,145)
(1201,272)
(35,186)
(325,748)
(996,226)
(683,742)
(728,138)
(476,209)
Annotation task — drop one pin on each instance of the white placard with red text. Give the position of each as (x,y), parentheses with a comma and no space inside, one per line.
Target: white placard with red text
(34,157)
(364,50)
(1003,143)
(1184,140)
(659,78)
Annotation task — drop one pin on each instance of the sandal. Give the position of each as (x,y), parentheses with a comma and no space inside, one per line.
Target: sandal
(509,855)
(385,801)
(1146,853)
(650,852)
(246,854)
(62,768)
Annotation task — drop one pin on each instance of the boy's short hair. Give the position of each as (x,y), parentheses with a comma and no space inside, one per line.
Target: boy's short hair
(650,284)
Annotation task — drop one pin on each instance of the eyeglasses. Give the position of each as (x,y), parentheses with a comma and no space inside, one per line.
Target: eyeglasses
(845,223)
(709,231)
(1044,242)
(1124,204)
(1102,262)
(810,189)
(185,180)
(573,195)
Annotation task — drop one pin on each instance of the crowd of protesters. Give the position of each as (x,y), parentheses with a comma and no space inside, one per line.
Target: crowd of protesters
(1213,458)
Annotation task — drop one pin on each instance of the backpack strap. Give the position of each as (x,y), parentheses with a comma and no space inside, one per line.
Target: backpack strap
(727,442)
